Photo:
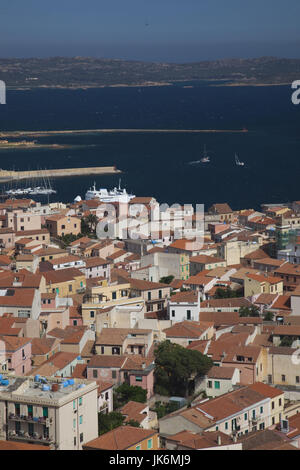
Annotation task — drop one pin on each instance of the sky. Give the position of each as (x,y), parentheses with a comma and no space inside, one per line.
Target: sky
(151,30)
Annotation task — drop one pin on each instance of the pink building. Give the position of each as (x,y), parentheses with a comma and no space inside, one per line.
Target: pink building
(17,353)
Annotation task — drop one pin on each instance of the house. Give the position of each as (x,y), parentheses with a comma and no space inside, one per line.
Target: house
(262,284)
(140,413)
(16,354)
(213,440)
(154,294)
(124,341)
(134,370)
(61,364)
(96,267)
(60,225)
(184,333)
(252,407)
(65,282)
(42,349)
(105,397)
(20,302)
(219,380)
(223,211)
(125,438)
(203,262)
(184,306)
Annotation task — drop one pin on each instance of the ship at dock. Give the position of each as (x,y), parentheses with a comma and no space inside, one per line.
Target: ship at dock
(113,195)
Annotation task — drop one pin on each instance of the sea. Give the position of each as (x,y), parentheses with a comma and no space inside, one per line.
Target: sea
(159,164)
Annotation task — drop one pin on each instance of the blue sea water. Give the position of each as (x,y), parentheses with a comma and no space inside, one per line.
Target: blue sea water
(157,164)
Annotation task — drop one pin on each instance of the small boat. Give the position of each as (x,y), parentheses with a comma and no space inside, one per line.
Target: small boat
(205,158)
(237,161)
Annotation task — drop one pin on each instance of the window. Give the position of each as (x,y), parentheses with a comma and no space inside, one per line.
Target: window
(272,405)
(261,410)
(245,416)
(70,288)
(95,373)
(138,448)
(188,314)
(209,384)
(30,410)
(138,378)
(74,404)
(217,384)
(149,295)
(17,409)
(114,374)
(102,349)
(279,402)
(81,419)
(297,379)
(173,313)
(114,295)
(80,401)
(74,441)
(74,423)
(81,437)
(283,378)
(92,314)
(45,412)
(226,425)
(149,444)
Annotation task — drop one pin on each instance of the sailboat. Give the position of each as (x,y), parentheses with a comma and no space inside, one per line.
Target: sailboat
(205,158)
(237,161)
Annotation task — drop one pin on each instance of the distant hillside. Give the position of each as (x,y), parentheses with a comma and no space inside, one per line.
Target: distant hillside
(90,72)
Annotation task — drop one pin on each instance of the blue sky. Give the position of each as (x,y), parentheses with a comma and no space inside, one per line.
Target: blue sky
(159,30)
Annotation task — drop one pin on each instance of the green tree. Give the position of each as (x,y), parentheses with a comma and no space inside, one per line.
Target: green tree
(287,341)
(166,279)
(252,311)
(125,393)
(225,293)
(109,421)
(268,316)
(176,367)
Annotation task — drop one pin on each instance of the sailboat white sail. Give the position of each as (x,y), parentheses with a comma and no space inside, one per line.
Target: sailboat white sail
(238,162)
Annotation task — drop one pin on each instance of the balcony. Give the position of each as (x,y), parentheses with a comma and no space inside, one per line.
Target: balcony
(29,419)
(25,436)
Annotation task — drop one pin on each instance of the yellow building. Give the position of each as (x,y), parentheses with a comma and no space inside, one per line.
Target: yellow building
(258,284)
(65,282)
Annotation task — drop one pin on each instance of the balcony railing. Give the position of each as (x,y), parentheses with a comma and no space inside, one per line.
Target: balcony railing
(28,419)
(25,436)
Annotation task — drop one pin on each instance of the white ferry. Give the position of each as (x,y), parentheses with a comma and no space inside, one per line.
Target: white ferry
(113,195)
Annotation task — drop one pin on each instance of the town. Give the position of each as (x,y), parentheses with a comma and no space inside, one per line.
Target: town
(188,346)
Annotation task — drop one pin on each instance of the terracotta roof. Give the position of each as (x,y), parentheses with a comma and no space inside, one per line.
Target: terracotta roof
(11,445)
(120,438)
(62,275)
(13,343)
(205,259)
(41,346)
(95,261)
(187,329)
(184,297)
(220,372)
(134,411)
(18,297)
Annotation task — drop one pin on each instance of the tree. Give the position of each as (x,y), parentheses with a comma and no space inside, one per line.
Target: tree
(268,316)
(125,393)
(166,279)
(287,341)
(252,311)
(225,293)
(109,421)
(176,368)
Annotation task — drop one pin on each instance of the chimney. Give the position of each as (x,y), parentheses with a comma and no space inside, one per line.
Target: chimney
(219,440)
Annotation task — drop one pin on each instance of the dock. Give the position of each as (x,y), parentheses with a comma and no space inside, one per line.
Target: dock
(7,176)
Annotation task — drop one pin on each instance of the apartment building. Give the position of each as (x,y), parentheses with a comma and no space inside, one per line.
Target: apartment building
(48,411)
